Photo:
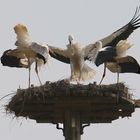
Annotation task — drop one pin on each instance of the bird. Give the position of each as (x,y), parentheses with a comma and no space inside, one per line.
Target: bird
(116,60)
(32,52)
(75,55)
(113,49)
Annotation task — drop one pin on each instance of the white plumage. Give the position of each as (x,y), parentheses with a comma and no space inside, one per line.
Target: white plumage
(115,59)
(35,52)
(75,55)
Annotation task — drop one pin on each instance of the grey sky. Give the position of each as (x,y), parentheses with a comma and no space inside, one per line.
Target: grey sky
(51,21)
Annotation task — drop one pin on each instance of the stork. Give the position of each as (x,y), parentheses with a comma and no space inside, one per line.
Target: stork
(116,60)
(113,49)
(26,50)
(75,55)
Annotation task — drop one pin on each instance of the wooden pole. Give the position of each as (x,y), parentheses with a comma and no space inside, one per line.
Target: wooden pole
(72,125)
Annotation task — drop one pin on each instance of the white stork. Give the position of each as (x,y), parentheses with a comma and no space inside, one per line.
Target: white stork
(114,47)
(116,60)
(26,52)
(75,55)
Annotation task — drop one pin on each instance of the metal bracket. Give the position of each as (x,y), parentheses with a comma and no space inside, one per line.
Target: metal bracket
(83,126)
(59,128)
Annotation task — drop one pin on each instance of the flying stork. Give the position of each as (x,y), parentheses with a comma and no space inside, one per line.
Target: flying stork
(26,52)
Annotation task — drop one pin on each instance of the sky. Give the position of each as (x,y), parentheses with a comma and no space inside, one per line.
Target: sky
(51,21)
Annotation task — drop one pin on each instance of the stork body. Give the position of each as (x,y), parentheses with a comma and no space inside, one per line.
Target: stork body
(39,53)
(80,71)
(116,60)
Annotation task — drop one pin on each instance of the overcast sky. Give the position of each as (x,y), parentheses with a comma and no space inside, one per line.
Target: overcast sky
(51,21)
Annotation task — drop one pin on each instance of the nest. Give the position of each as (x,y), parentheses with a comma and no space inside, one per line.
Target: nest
(96,103)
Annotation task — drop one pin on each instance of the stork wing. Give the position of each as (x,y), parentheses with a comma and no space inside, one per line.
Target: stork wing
(124,32)
(23,38)
(59,54)
(91,52)
(128,64)
(41,50)
(105,55)
(16,53)
(14,58)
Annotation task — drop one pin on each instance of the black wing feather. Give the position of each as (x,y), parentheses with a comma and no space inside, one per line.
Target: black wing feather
(130,65)
(124,32)
(9,60)
(59,57)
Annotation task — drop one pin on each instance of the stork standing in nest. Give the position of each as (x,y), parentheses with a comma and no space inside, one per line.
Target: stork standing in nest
(112,50)
(116,60)
(26,52)
(75,55)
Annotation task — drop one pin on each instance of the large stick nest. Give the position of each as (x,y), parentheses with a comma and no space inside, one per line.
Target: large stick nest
(49,102)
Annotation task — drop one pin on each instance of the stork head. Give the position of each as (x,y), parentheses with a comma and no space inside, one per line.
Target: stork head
(70,39)
(69,46)
(73,47)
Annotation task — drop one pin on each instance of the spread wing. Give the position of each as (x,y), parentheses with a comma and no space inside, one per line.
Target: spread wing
(91,52)
(14,58)
(41,50)
(106,54)
(124,32)
(59,54)
(126,64)
(23,38)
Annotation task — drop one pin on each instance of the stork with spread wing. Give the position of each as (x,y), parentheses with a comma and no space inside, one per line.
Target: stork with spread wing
(26,52)
(113,49)
(75,55)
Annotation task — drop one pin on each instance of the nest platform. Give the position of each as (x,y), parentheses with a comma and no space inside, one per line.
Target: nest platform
(51,102)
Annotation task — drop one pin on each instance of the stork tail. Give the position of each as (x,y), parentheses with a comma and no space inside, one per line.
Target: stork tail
(87,73)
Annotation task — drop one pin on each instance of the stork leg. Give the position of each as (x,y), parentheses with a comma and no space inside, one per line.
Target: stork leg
(36,70)
(118,70)
(118,94)
(103,74)
(118,77)
(29,66)
(80,78)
